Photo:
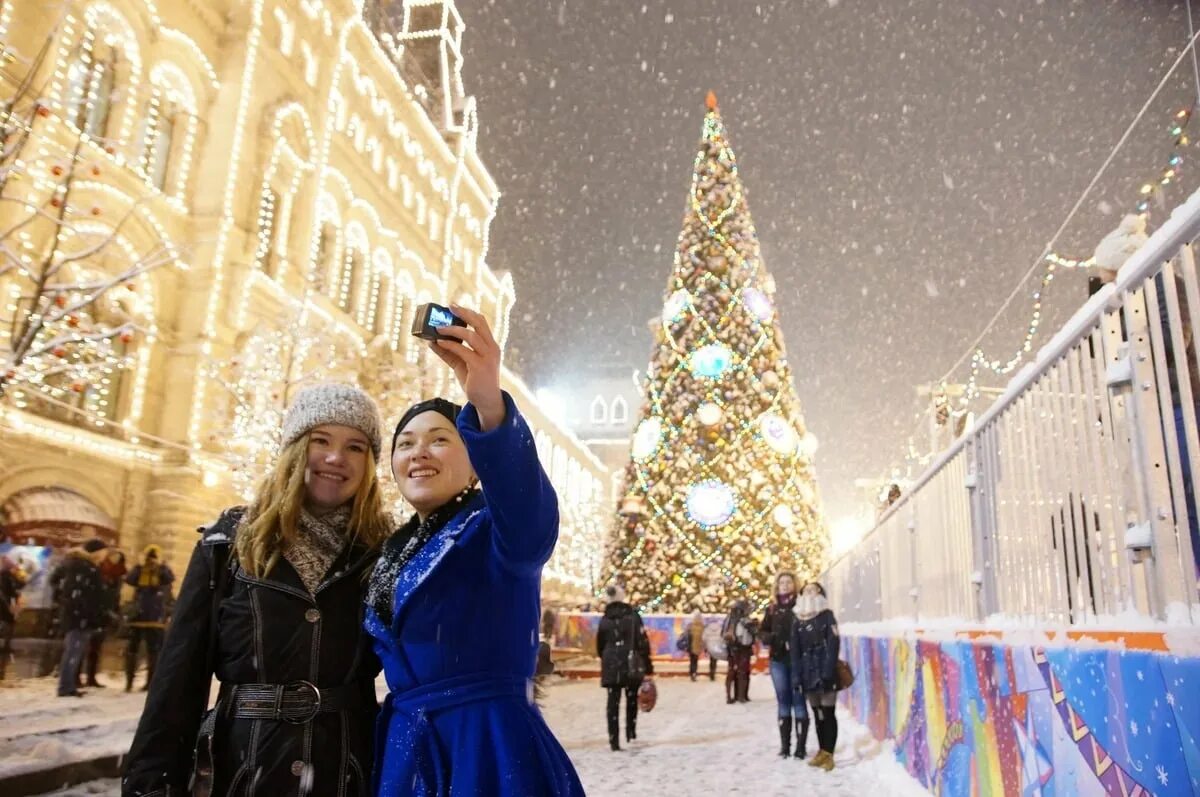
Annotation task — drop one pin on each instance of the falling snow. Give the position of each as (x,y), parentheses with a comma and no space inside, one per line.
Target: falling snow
(951,147)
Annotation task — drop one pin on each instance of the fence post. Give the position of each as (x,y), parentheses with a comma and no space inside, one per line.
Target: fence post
(915,591)
(983,575)
(1130,379)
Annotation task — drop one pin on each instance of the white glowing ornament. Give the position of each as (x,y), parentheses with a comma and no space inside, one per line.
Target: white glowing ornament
(708,414)
(711,503)
(712,360)
(783,515)
(757,303)
(777,432)
(675,305)
(646,439)
(807,446)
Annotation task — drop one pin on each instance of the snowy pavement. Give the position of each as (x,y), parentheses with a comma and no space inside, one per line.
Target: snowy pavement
(691,742)
(39,730)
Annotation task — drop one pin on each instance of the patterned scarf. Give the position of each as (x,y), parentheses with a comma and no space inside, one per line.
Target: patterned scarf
(401,547)
(320,541)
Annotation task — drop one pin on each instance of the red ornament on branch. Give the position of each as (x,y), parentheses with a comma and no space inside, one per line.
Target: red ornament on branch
(60,351)
(60,300)
(72,321)
(78,387)
(95,171)
(95,211)
(43,111)
(57,170)
(126,337)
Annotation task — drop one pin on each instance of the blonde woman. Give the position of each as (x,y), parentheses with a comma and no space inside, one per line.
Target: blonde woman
(272,605)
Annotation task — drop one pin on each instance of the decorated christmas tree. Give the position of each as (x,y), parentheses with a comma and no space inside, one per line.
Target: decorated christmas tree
(720,493)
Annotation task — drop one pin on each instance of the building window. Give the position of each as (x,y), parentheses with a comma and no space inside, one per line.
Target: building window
(620,411)
(157,140)
(90,83)
(599,412)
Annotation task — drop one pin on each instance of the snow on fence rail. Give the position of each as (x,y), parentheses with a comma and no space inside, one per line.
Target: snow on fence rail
(1071,498)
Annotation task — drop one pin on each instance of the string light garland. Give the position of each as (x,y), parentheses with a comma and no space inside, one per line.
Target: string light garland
(1150,191)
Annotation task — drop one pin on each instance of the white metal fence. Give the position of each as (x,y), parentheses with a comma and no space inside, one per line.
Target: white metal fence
(1071,498)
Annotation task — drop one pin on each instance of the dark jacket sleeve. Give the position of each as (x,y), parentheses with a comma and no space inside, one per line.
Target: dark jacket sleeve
(765,627)
(161,753)
(833,648)
(519,495)
(602,636)
(131,578)
(643,643)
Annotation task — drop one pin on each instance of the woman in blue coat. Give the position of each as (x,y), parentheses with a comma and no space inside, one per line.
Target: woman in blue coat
(453,602)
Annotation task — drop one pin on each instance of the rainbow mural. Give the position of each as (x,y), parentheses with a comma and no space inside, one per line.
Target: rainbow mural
(577,631)
(990,719)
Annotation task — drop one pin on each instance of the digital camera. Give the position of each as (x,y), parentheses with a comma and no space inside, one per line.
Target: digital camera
(430,317)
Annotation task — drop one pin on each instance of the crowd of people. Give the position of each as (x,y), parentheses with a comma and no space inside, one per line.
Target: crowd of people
(296,602)
(87,590)
(799,631)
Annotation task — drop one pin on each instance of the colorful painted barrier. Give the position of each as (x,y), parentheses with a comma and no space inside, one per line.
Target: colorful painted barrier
(978,717)
(577,631)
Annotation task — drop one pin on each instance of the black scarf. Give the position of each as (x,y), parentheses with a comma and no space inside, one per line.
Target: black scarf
(401,547)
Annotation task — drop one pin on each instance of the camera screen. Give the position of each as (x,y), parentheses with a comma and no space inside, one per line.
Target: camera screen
(440,317)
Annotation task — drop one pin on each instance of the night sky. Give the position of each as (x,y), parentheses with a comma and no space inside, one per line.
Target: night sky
(905,161)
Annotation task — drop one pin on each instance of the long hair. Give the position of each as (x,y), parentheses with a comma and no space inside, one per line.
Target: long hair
(272,522)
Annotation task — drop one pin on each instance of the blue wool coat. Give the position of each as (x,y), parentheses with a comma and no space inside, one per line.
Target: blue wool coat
(459,655)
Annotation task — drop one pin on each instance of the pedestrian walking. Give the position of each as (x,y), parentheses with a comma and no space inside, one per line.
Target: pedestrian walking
(624,650)
(151,581)
(738,633)
(79,594)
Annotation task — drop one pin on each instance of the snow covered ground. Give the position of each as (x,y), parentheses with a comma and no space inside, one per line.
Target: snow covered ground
(39,730)
(692,742)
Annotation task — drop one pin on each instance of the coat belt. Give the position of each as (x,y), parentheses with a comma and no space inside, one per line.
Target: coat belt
(420,739)
(297,701)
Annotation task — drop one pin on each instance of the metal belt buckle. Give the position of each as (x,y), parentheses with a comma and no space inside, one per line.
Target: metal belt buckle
(301,687)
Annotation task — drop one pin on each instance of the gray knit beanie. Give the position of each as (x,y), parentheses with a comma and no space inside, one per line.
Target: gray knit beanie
(333,403)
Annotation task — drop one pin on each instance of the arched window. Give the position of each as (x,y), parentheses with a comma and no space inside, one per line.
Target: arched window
(168,128)
(91,78)
(620,411)
(599,411)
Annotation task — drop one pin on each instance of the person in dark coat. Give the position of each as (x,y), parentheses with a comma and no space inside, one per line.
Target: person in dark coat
(79,592)
(776,633)
(624,650)
(815,646)
(151,581)
(272,604)
(453,603)
(738,633)
(12,581)
(694,633)
(112,571)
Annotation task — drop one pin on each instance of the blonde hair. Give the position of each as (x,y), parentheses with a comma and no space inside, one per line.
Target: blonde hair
(272,521)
